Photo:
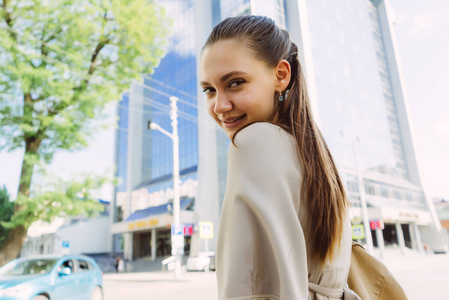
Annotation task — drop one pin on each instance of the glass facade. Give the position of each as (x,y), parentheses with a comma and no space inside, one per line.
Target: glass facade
(400,169)
(357,110)
(348,84)
(273,9)
(122,142)
(175,76)
(234,8)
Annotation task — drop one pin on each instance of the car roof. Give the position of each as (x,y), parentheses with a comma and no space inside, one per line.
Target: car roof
(54,256)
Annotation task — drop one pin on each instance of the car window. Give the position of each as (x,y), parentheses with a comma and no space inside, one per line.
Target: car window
(67,264)
(28,267)
(83,265)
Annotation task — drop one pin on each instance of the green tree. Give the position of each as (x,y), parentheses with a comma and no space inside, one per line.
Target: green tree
(6,211)
(60,62)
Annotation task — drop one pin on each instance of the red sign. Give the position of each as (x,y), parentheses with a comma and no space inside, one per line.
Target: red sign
(374,224)
(188,230)
(380,224)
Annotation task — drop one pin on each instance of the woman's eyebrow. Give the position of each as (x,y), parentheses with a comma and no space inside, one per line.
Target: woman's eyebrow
(230,74)
(224,77)
(203,83)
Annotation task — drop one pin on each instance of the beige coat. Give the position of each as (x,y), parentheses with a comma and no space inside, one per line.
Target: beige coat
(263,250)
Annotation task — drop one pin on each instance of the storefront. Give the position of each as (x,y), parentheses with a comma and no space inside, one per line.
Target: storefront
(147,233)
(395,226)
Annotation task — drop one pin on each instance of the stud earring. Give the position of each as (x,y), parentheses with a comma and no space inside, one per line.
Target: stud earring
(280,97)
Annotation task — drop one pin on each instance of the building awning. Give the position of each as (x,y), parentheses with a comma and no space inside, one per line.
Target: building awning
(376,201)
(392,211)
(159,210)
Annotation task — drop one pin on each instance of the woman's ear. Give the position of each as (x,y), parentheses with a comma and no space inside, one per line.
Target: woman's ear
(283,75)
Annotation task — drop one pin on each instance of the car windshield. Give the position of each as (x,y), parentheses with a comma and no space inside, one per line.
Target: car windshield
(28,267)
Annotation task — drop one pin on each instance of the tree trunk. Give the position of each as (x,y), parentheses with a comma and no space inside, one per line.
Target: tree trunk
(16,237)
(13,244)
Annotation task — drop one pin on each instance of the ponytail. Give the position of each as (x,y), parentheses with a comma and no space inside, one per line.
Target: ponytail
(320,184)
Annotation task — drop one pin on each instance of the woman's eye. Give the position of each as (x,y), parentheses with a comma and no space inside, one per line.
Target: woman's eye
(235,83)
(208,90)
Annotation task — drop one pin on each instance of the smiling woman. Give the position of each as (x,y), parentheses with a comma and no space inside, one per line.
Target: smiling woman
(284,232)
(239,87)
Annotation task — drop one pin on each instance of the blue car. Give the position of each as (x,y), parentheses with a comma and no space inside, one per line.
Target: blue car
(51,278)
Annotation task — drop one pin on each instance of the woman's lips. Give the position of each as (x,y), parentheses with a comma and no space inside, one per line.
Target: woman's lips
(232,123)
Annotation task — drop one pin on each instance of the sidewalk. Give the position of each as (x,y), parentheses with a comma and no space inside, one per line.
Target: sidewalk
(160,285)
(422,277)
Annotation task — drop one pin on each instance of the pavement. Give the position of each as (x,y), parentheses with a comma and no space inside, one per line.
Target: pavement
(422,277)
(160,285)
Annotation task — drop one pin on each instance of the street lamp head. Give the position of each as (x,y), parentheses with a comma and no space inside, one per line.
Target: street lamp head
(152,125)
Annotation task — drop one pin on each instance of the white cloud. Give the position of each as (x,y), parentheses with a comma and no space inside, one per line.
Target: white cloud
(182,14)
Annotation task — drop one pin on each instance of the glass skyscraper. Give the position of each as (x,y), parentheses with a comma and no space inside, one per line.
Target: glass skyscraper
(347,50)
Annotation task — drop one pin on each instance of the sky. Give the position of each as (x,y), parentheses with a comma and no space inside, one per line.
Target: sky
(422,38)
(423,42)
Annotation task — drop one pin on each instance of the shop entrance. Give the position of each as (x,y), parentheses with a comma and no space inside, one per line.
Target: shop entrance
(390,235)
(407,237)
(142,244)
(163,242)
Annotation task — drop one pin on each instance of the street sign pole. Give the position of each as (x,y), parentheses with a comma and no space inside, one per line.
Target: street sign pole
(177,238)
(177,243)
(206,233)
(361,185)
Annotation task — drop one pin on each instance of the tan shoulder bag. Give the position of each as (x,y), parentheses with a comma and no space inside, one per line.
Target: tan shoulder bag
(370,279)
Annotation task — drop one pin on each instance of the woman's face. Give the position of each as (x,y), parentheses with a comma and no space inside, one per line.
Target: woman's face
(239,88)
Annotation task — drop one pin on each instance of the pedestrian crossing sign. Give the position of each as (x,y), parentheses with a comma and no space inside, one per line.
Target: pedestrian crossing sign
(206,230)
(358,232)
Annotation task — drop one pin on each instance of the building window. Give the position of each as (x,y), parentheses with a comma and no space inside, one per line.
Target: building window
(353,186)
(369,189)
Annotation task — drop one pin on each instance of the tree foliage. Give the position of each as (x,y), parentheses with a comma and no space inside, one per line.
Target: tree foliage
(6,212)
(66,198)
(61,61)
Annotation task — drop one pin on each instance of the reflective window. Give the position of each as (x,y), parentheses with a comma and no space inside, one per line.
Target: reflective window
(28,267)
(152,151)
(67,264)
(352,108)
(83,265)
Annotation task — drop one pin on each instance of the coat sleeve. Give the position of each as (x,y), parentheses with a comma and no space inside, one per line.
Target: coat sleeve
(261,248)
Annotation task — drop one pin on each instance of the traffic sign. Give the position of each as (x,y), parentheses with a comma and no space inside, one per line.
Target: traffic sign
(206,230)
(65,244)
(177,230)
(358,232)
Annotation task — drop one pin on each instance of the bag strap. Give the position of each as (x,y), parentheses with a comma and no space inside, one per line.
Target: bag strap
(344,293)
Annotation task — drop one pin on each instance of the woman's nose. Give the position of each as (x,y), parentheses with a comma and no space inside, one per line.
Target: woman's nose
(222,104)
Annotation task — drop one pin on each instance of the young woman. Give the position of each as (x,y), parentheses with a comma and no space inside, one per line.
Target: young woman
(284,231)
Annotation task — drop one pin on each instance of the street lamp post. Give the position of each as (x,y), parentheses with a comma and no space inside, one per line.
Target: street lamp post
(177,239)
(361,185)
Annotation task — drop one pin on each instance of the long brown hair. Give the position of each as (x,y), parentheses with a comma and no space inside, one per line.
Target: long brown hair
(320,184)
